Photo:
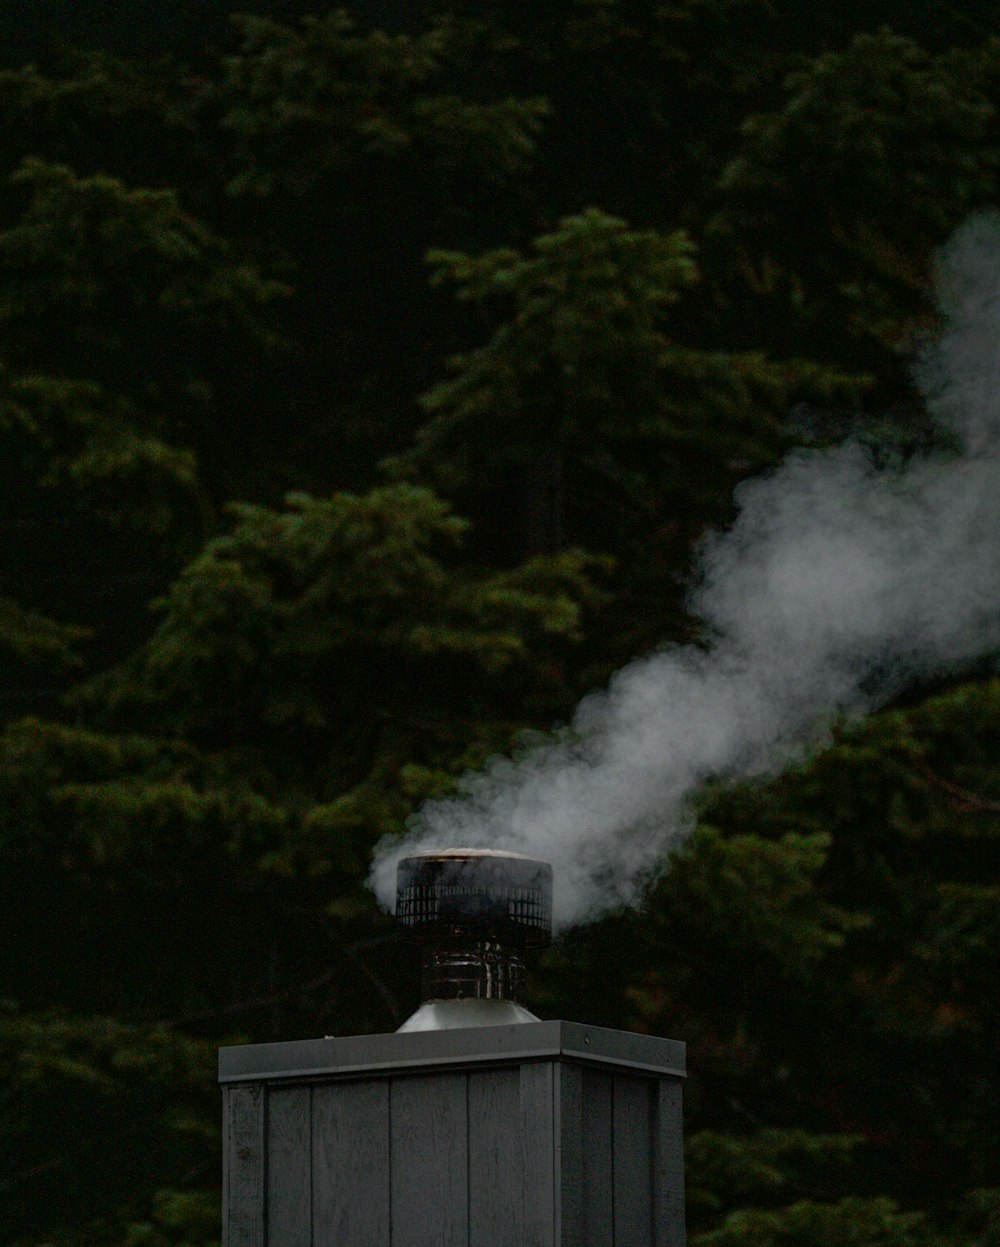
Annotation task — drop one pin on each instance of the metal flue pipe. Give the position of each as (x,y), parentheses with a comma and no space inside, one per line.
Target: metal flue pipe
(474,912)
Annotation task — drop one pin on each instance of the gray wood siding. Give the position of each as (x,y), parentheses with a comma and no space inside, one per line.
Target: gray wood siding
(244,1188)
(632,1117)
(668,1158)
(568,1095)
(537,1146)
(351,1165)
(609,1160)
(496,1161)
(289,1167)
(430,1161)
(510,1157)
(596,1142)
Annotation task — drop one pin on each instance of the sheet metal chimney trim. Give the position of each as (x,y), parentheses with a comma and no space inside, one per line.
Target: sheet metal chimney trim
(353,1055)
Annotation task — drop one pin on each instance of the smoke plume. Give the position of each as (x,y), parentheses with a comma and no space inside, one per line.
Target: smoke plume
(841,580)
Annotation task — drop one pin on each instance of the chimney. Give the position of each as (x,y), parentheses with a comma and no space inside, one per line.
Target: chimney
(475,1124)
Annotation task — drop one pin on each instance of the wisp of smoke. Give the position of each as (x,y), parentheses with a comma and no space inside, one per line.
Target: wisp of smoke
(840,581)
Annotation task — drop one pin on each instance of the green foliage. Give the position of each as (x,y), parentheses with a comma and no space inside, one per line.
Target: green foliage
(597,402)
(115,305)
(729,1171)
(25,634)
(98,112)
(851,1223)
(91,1103)
(979,1217)
(834,201)
(94,265)
(321,613)
(92,446)
(180,1219)
(304,104)
(757,894)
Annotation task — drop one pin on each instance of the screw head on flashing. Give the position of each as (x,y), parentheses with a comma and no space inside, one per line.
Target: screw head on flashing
(475,893)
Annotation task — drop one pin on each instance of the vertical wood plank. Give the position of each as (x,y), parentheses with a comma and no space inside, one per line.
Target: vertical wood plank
(289,1167)
(669,1165)
(510,1157)
(496,1160)
(430,1161)
(598,1161)
(244,1224)
(633,1160)
(226,1111)
(351,1173)
(537,1143)
(568,1085)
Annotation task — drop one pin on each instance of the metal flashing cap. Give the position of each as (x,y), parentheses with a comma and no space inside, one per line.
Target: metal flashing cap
(480,894)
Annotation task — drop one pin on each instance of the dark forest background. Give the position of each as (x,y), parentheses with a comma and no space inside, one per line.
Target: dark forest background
(367,382)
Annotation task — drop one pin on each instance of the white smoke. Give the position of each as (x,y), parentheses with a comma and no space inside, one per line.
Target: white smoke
(840,581)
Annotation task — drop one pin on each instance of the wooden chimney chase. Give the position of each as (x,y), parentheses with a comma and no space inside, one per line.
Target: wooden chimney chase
(543,1134)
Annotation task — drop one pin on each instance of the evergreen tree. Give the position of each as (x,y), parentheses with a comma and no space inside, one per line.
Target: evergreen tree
(835,200)
(585,419)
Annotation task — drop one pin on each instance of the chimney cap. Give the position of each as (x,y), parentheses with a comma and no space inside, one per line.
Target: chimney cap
(475,893)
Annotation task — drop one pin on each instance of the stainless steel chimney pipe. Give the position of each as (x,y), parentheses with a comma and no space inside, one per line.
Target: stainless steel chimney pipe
(475,912)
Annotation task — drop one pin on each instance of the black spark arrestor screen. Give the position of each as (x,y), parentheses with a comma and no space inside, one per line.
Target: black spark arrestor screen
(475,892)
